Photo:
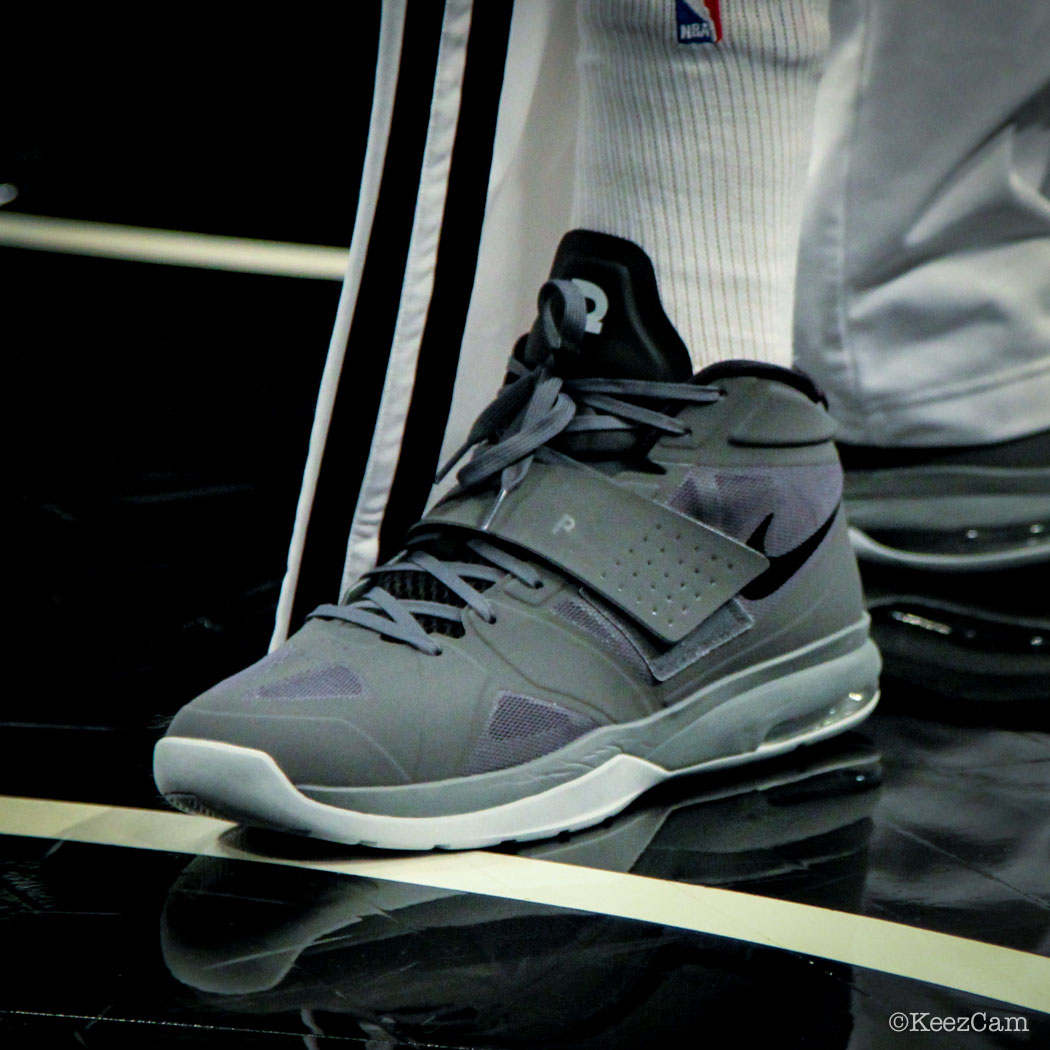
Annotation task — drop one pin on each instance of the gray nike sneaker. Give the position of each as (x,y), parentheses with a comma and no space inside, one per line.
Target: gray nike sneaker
(640,573)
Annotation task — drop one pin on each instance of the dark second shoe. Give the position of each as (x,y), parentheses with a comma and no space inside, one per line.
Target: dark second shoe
(951,509)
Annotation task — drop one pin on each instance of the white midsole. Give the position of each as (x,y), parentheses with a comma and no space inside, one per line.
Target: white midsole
(250,782)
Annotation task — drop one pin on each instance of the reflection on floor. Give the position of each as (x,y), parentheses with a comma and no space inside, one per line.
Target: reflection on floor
(953,840)
(934,816)
(416,964)
(965,638)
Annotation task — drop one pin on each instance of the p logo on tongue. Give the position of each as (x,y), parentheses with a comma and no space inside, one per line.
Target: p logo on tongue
(628,335)
(597,304)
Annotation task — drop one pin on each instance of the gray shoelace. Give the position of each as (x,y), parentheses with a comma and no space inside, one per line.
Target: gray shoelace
(529,413)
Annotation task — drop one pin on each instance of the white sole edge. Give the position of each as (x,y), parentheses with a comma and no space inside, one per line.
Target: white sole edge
(243,781)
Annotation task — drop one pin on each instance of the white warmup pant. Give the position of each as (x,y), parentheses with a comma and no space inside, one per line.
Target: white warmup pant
(924,287)
(923,297)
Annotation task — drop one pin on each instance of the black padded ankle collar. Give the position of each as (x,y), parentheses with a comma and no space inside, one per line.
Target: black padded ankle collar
(628,334)
(792,377)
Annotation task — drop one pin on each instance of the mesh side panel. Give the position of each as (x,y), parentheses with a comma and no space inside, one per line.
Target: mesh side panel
(736,502)
(521,729)
(435,625)
(747,499)
(322,683)
(799,498)
(416,586)
(698,498)
(604,632)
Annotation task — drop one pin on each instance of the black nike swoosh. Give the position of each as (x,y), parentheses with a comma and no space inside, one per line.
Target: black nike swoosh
(783,566)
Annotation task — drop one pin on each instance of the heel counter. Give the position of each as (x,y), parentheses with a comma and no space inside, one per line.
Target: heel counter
(842,562)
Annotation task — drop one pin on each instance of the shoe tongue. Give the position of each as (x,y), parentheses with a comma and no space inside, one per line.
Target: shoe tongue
(628,334)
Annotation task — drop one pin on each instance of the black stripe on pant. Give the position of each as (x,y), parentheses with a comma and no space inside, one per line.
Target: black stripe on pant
(455,267)
(372,329)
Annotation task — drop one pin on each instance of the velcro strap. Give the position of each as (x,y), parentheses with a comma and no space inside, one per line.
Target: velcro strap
(665,571)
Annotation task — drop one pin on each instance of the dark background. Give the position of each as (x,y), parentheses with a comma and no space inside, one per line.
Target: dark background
(158,420)
(159,415)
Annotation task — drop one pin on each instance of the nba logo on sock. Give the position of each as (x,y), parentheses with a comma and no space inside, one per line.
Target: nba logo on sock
(698,23)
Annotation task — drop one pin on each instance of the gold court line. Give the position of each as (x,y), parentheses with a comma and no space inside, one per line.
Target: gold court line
(1010,976)
(172,247)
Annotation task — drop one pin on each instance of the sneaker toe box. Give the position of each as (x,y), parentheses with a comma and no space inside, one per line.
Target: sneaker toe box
(317,717)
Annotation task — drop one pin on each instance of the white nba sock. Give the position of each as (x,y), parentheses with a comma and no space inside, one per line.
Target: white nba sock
(698,152)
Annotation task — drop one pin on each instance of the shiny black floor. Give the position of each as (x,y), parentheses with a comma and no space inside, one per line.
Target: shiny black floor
(225,954)
(918,820)
(162,428)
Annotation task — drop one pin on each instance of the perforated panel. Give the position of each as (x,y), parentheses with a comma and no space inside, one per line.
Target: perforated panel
(663,570)
(664,573)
